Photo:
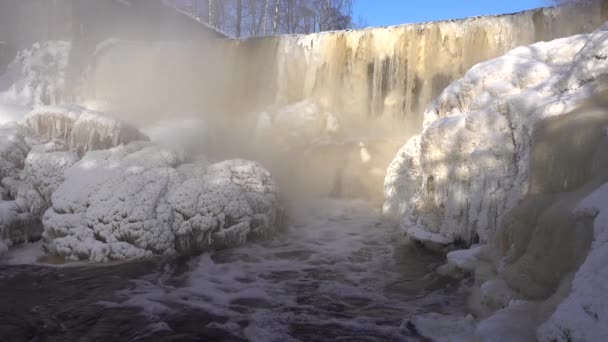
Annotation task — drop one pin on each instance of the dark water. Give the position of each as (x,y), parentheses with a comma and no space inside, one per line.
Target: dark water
(337,275)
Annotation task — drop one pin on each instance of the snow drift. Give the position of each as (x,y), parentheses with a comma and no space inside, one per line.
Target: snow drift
(513,156)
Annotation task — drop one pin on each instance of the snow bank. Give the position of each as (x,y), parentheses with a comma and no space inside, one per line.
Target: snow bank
(81,129)
(37,76)
(470,165)
(133,201)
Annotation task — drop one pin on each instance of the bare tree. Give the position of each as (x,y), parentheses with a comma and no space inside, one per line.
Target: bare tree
(569,2)
(255,17)
(265,15)
(275,22)
(211,13)
(239,17)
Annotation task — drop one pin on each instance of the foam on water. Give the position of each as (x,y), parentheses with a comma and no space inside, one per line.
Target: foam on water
(337,273)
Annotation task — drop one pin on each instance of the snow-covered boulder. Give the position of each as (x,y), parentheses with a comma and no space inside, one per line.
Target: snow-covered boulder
(472,162)
(135,200)
(583,315)
(43,171)
(81,129)
(16,226)
(113,205)
(514,155)
(13,152)
(232,202)
(403,179)
(13,149)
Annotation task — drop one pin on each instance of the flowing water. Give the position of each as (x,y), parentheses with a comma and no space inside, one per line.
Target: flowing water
(339,273)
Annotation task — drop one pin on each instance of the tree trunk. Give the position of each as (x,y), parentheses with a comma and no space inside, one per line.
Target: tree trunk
(275,23)
(239,17)
(212,13)
(265,21)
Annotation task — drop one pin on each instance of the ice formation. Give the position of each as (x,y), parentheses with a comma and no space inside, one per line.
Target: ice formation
(42,174)
(136,200)
(513,156)
(470,165)
(81,129)
(14,223)
(582,315)
(37,76)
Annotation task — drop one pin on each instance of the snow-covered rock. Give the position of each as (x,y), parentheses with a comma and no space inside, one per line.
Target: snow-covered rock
(473,161)
(13,149)
(42,174)
(465,259)
(81,129)
(232,202)
(515,323)
(512,155)
(13,152)
(443,328)
(403,179)
(16,226)
(113,205)
(583,315)
(134,201)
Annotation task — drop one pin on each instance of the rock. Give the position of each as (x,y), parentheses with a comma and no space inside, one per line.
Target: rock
(134,201)
(403,179)
(513,156)
(42,174)
(13,149)
(583,315)
(473,161)
(233,202)
(113,205)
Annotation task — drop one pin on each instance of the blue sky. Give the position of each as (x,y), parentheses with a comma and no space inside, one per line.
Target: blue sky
(394,12)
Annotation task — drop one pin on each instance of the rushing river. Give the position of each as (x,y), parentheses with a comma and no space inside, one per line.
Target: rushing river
(339,273)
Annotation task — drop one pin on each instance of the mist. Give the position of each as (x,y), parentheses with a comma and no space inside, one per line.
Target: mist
(170,173)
